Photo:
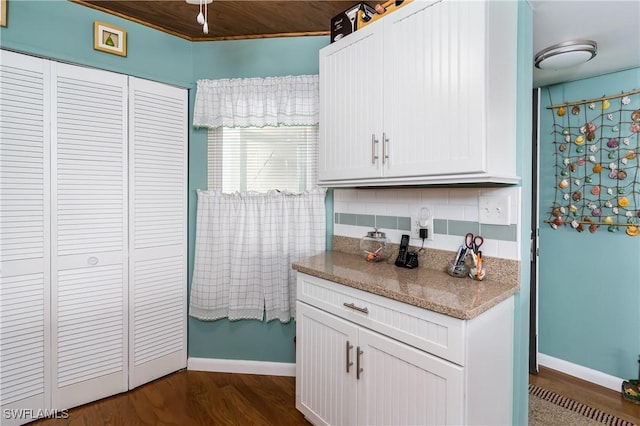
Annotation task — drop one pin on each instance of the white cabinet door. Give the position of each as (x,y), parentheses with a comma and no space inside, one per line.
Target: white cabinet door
(400,385)
(434,89)
(24,236)
(325,367)
(351,106)
(89,234)
(440,97)
(158,226)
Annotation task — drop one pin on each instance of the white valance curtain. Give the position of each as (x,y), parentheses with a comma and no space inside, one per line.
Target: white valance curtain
(245,244)
(257,102)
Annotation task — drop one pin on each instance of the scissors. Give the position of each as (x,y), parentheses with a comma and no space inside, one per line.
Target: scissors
(473,242)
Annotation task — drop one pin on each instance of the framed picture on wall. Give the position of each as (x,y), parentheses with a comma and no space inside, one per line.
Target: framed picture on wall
(109,38)
(3,13)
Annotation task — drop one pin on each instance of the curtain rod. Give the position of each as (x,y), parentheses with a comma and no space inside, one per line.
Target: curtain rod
(633,92)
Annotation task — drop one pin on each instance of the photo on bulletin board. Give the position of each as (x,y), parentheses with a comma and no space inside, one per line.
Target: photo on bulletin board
(109,38)
(3,13)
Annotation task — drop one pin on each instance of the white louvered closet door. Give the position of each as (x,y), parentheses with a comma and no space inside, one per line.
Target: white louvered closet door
(89,234)
(24,235)
(157,230)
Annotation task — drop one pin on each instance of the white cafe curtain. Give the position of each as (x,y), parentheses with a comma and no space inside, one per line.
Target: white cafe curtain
(245,244)
(257,102)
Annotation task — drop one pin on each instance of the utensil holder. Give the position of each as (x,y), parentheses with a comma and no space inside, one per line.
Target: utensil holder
(459,270)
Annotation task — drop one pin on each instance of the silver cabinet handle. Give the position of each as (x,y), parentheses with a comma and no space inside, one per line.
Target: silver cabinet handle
(364,310)
(358,368)
(374,151)
(349,362)
(385,148)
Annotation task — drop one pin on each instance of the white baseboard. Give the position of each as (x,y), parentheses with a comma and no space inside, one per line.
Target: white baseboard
(581,372)
(242,366)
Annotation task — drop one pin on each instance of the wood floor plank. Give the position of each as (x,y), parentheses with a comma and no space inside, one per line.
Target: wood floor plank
(195,398)
(587,393)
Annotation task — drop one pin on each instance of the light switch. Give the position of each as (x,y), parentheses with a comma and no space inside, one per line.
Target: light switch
(493,210)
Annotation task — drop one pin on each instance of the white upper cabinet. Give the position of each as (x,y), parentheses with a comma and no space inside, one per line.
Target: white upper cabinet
(426,94)
(351,108)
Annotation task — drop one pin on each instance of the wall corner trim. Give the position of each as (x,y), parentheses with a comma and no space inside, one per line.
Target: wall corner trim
(242,366)
(584,373)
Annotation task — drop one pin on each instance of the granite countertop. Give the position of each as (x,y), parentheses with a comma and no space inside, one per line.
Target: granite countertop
(430,289)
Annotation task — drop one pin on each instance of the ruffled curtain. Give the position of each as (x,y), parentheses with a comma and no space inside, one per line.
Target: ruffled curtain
(257,102)
(245,244)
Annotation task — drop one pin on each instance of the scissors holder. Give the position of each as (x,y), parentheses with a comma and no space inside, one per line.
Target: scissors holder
(458,270)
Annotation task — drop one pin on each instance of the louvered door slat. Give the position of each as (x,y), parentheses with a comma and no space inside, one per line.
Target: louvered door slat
(24,233)
(157,182)
(90,235)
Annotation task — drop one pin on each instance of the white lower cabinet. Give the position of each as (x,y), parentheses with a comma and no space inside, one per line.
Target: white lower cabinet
(350,375)
(362,359)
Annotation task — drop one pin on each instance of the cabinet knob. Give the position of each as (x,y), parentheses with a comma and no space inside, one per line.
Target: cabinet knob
(92,261)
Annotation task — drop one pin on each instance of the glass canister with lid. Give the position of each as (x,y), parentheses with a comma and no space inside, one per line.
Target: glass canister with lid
(374,246)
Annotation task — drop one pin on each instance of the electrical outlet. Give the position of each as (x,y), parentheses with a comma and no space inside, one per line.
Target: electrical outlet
(494,210)
(416,226)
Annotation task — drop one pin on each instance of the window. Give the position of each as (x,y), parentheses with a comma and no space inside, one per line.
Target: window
(263,158)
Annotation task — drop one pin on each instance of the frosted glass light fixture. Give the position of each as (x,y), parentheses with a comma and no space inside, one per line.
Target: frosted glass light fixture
(202,19)
(566,54)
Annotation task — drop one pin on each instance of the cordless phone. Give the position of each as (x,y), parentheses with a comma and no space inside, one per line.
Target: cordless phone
(406,259)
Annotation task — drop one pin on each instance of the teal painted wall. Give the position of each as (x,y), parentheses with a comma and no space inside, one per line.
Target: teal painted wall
(589,287)
(64,31)
(244,339)
(524,158)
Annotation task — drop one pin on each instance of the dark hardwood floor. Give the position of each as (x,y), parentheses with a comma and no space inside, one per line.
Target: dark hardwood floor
(587,393)
(189,398)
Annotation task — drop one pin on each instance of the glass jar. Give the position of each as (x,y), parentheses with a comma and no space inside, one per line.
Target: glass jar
(374,246)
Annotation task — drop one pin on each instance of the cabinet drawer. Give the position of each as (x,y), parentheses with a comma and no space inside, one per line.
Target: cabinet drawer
(432,332)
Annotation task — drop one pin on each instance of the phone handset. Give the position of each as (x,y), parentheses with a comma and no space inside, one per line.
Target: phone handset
(406,259)
(402,253)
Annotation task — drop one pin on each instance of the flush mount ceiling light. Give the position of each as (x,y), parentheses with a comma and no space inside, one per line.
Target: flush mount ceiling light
(566,54)
(202,19)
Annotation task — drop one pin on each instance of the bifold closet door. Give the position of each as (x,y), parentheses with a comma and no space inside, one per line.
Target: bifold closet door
(157,230)
(24,237)
(89,234)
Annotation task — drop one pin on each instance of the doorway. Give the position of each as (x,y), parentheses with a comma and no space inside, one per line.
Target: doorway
(533,296)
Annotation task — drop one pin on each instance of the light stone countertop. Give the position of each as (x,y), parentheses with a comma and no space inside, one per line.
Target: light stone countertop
(430,289)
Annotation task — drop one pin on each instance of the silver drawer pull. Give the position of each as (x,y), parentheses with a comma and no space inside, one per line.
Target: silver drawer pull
(358,368)
(385,148)
(349,362)
(374,142)
(357,308)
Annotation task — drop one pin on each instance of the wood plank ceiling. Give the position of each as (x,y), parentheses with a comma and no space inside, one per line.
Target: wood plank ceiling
(229,20)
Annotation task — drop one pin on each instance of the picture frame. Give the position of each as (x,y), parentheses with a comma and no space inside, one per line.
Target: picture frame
(3,13)
(109,38)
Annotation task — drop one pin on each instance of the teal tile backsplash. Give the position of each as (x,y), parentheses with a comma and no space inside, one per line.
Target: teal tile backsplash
(388,222)
(440,226)
(462,227)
